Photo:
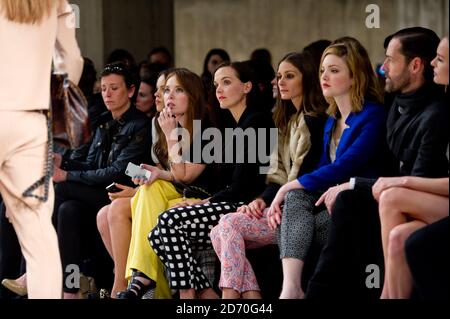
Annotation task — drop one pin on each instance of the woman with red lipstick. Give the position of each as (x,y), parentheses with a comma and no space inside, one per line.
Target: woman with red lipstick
(300,117)
(353,141)
(185,228)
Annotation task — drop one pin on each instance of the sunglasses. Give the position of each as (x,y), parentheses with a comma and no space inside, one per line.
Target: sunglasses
(114,68)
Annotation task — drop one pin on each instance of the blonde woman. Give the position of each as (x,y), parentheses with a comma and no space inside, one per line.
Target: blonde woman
(41,27)
(353,139)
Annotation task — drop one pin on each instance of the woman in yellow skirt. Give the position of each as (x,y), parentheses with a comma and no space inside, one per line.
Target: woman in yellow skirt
(114,220)
(183,103)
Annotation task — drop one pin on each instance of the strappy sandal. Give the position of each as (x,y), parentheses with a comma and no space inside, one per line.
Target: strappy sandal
(136,288)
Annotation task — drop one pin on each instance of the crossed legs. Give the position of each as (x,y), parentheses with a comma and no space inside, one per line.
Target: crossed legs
(402,212)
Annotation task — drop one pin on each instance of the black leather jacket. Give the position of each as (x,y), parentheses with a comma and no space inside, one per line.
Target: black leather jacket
(115,144)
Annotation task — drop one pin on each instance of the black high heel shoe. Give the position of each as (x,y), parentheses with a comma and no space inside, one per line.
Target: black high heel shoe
(136,288)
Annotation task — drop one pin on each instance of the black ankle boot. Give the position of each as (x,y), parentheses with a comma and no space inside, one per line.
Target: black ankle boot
(136,288)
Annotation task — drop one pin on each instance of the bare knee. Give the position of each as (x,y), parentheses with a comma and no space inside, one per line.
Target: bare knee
(119,209)
(389,201)
(397,239)
(102,219)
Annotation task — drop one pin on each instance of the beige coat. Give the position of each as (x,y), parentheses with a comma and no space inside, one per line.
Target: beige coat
(292,150)
(26,53)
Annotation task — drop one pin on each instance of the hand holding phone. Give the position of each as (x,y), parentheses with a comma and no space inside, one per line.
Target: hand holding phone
(113,188)
(136,172)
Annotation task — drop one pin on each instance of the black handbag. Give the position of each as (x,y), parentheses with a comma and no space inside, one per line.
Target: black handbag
(191,191)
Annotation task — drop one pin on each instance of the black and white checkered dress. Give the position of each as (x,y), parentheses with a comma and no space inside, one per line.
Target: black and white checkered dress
(182,231)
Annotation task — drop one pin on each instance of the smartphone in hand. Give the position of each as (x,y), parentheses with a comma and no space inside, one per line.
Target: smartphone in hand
(135,171)
(113,188)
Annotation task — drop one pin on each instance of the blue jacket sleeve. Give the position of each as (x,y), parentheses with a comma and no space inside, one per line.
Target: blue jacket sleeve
(357,158)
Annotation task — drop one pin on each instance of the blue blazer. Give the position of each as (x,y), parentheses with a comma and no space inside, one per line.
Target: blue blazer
(358,151)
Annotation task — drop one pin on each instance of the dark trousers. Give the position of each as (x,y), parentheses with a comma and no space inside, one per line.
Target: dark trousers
(354,243)
(11,263)
(75,211)
(427,252)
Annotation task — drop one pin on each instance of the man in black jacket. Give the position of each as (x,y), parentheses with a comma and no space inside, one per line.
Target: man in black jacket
(351,264)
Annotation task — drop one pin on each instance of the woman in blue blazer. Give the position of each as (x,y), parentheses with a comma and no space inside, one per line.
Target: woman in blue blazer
(353,142)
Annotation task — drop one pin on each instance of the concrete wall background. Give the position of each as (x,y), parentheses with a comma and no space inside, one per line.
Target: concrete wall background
(134,25)
(240,26)
(191,27)
(138,25)
(90,33)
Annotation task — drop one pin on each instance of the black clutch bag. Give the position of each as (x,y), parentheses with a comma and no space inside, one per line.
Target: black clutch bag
(190,191)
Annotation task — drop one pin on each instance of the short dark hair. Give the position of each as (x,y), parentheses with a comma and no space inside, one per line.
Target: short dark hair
(121,69)
(417,42)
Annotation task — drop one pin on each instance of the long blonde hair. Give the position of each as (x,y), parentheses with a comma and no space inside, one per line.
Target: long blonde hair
(27,11)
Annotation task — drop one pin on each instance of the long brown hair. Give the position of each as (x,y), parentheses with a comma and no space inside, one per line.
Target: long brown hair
(157,147)
(365,83)
(313,102)
(193,86)
(27,11)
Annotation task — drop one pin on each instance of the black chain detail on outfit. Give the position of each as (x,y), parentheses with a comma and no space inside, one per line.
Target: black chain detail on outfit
(48,169)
